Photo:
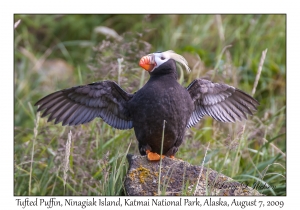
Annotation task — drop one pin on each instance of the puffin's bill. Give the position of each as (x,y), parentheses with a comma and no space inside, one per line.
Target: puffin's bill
(147,63)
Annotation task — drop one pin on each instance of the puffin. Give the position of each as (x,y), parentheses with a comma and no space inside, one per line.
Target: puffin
(162,110)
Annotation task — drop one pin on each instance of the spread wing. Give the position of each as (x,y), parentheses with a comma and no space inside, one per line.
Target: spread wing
(220,101)
(81,104)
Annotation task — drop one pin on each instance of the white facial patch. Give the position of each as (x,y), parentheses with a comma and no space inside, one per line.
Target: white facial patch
(159,59)
(163,57)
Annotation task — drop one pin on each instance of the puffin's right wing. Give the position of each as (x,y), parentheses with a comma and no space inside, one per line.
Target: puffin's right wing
(81,104)
(220,101)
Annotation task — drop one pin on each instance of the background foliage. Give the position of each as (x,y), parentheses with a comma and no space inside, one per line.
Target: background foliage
(53,52)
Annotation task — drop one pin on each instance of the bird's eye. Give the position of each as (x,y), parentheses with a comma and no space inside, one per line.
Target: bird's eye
(163,58)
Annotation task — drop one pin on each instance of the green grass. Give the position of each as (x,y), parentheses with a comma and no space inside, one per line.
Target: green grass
(53,52)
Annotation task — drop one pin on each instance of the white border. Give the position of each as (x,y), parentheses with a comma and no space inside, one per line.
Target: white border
(153,6)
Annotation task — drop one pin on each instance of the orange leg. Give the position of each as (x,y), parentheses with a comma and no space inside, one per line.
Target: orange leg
(152,156)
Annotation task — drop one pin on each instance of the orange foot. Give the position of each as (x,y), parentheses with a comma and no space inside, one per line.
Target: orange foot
(174,158)
(152,156)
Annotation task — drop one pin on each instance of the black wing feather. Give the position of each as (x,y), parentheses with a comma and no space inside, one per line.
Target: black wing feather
(220,101)
(81,104)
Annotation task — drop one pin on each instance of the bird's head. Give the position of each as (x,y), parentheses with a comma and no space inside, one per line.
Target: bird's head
(154,61)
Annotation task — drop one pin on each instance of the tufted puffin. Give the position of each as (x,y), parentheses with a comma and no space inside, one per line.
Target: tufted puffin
(161,99)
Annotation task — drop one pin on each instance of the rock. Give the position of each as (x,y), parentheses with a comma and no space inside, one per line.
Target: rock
(179,178)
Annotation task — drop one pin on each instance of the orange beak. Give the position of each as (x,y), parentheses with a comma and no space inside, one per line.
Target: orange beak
(147,62)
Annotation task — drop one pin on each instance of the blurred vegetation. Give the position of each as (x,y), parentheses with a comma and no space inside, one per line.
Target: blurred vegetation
(54,52)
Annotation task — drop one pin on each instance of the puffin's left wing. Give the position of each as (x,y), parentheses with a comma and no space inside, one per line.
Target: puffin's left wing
(81,104)
(220,101)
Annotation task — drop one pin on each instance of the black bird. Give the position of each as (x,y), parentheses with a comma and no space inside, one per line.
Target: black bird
(161,99)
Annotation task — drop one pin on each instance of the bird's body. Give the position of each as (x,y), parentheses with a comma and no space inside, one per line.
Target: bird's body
(161,99)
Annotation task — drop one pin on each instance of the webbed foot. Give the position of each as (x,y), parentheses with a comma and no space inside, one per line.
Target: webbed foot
(153,156)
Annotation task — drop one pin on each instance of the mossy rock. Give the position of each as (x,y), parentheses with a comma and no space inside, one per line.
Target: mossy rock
(179,178)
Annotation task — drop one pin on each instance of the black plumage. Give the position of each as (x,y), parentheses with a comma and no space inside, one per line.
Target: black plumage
(82,104)
(220,101)
(161,98)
